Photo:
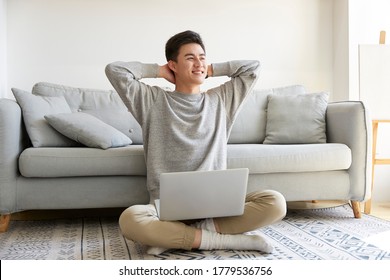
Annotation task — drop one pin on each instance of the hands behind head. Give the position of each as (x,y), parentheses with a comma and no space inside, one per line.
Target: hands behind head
(165,72)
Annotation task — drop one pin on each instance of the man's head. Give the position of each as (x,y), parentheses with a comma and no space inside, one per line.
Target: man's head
(174,44)
(186,57)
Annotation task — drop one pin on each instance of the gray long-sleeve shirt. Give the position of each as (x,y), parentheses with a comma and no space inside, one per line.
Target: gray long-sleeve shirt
(183,132)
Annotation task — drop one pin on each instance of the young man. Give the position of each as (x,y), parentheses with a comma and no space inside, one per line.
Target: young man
(188,130)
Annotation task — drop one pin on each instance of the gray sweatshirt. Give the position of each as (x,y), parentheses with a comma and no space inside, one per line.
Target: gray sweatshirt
(183,132)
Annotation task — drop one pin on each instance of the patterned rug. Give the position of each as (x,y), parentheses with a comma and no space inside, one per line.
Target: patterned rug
(315,234)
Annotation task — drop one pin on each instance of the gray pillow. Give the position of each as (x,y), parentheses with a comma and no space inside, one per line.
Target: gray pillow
(296,118)
(88,130)
(249,126)
(34,108)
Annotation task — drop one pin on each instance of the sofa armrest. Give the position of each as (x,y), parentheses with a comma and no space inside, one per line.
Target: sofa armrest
(348,122)
(12,142)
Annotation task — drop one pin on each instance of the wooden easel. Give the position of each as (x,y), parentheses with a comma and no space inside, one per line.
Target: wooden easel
(375,125)
(382,37)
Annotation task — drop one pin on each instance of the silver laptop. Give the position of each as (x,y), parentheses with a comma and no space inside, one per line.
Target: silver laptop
(202,194)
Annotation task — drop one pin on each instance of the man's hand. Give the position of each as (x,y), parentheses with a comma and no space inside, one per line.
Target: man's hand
(166,73)
(210,71)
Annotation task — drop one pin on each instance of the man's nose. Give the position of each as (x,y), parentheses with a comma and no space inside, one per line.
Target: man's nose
(198,62)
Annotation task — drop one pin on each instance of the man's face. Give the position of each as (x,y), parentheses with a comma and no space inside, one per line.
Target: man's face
(191,65)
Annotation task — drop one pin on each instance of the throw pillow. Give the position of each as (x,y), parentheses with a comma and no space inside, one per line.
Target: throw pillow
(249,125)
(296,118)
(34,108)
(88,130)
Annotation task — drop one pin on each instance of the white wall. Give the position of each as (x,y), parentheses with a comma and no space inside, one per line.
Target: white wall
(340,50)
(71,41)
(3,48)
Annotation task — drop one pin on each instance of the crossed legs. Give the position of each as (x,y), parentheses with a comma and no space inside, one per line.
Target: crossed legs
(140,223)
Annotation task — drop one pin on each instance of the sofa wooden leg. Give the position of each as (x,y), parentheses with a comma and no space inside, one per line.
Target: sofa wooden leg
(4,222)
(356,209)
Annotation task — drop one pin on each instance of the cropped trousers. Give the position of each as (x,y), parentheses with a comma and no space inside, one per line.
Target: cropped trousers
(140,223)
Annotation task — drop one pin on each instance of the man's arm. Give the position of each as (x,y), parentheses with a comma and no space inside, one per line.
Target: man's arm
(210,71)
(137,96)
(243,74)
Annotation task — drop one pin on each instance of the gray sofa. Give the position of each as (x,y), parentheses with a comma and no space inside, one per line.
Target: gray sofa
(50,172)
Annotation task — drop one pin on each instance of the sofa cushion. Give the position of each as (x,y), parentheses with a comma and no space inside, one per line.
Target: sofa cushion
(129,160)
(106,105)
(34,108)
(88,130)
(76,162)
(296,118)
(249,126)
(289,158)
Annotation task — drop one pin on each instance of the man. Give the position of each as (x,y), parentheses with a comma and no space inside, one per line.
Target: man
(188,130)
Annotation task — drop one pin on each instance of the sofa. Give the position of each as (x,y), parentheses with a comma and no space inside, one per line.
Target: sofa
(64,147)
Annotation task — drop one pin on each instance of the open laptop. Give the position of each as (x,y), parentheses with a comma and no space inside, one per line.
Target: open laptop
(202,194)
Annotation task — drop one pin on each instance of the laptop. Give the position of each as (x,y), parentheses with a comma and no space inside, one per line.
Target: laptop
(202,194)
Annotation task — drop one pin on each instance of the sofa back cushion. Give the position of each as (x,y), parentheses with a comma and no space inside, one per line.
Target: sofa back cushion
(34,108)
(106,105)
(250,124)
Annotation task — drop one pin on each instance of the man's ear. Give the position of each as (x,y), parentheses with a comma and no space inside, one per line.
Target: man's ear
(172,65)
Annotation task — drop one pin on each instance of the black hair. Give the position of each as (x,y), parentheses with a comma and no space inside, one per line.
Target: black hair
(175,42)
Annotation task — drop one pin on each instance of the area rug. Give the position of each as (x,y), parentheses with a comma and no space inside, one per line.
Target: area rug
(310,234)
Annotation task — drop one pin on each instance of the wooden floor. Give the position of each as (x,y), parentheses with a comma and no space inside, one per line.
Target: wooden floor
(378,209)
(381,210)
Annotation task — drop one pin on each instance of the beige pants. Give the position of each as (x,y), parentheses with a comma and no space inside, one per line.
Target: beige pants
(140,222)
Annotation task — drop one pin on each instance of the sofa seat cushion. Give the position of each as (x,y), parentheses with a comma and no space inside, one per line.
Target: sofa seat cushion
(129,160)
(289,158)
(76,162)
